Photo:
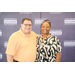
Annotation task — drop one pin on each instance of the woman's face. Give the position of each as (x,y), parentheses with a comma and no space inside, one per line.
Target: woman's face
(45,28)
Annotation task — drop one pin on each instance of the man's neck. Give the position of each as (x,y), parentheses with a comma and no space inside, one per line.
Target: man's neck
(26,34)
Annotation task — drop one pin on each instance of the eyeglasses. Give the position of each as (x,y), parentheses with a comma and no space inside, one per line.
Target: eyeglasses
(28,25)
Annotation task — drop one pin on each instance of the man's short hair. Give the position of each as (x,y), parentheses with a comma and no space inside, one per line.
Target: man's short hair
(26,19)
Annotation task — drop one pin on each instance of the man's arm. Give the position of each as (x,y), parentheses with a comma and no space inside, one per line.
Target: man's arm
(11,48)
(58,57)
(9,58)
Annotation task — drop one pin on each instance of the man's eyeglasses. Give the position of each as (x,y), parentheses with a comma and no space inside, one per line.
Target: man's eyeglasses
(28,25)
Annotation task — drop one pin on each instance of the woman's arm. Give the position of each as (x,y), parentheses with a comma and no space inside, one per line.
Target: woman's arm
(58,57)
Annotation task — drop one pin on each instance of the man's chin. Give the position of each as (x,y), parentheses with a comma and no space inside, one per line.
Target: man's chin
(28,32)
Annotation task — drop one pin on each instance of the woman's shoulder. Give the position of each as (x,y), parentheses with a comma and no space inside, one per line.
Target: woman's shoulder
(53,36)
(56,39)
(39,36)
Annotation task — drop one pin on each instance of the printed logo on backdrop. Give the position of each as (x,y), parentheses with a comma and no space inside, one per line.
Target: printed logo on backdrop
(0,33)
(25,12)
(5,44)
(10,21)
(69,21)
(39,21)
(55,12)
(57,32)
(69,43)
(0,55)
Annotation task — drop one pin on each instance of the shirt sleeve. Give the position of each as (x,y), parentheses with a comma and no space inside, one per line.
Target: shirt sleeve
(58,46)
(12,46)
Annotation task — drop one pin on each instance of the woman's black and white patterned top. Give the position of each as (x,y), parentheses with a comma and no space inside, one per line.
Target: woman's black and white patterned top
(46,50)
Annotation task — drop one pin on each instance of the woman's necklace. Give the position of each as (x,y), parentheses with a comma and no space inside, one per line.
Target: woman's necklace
(45,37)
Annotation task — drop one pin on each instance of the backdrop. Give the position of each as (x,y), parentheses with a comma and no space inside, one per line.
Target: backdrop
(62,26)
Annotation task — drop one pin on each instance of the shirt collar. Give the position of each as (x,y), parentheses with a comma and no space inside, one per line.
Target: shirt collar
(46,37)
(24,34)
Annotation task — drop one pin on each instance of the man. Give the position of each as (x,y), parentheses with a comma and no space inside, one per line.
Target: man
(22,44)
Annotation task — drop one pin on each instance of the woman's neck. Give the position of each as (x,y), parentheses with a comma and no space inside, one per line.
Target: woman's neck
(45,35)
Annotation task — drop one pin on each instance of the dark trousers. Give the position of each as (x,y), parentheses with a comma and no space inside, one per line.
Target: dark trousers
(15,60)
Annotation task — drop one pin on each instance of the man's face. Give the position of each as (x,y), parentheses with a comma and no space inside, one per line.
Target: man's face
(26,27)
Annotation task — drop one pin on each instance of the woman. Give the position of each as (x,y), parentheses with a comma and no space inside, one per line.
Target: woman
(48,45)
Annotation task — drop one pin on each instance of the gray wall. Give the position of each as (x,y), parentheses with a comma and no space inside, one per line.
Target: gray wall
(62,25)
